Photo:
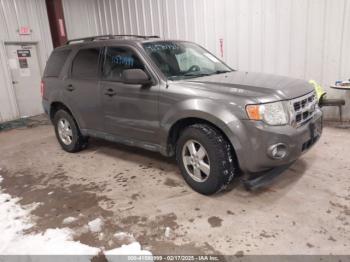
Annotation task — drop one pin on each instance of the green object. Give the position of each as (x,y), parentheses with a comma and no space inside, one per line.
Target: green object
(318,88)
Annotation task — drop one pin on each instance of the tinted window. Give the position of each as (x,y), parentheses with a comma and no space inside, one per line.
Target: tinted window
(117,60)
(85,64)
(56,62)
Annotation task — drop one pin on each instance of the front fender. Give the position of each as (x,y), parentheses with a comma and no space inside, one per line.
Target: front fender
(220,115)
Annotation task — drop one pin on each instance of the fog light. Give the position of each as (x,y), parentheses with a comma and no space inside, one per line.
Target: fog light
(278,151)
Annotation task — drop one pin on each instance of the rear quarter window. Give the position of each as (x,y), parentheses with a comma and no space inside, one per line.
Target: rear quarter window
(56,62)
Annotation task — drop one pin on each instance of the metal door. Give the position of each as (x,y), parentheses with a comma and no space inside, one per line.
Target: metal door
(26,76)
(131,111)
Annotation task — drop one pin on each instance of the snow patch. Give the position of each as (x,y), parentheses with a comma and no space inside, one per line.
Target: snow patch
(52,242)
(69,220)
(14,220)
(131,249)
(95,225)
(124,237)
(167,232)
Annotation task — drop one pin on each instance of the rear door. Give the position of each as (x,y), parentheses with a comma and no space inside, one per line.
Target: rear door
(82,88)
(130,110)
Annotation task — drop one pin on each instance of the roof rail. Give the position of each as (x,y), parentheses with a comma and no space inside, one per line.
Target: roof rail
(107,37)
(90,38)
(138,36)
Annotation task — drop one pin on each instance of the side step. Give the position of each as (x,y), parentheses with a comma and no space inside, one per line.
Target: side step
(255,181)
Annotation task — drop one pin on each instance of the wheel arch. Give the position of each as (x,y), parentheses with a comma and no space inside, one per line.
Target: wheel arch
(181,124)
(223,116)
(57,105)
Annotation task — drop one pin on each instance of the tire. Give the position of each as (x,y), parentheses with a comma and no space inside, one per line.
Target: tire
(220,159)
(70,139)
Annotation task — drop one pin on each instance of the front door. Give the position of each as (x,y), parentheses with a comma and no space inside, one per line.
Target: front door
(26,76)
(130,110)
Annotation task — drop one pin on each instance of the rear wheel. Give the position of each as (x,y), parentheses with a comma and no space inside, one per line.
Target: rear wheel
(68,133)
(205,159)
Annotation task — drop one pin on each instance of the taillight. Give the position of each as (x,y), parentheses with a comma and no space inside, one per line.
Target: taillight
(42,88)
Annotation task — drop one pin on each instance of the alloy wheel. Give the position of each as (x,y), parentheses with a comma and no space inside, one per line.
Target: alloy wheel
(65,131)
(196,160)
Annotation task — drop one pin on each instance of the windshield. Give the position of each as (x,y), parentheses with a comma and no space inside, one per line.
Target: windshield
(180,60)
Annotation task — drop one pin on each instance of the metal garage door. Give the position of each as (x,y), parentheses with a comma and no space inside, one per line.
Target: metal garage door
(25,72)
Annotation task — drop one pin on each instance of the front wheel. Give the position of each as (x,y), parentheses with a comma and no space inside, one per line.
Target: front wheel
(205,159)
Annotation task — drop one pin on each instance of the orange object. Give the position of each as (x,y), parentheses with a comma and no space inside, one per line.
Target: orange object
(253,112)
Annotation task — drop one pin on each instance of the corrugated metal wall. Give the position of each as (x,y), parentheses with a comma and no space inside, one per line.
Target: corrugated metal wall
(13,15)
(307,39)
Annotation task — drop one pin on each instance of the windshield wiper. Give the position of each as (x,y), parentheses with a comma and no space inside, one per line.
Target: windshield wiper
(222,71)
(188,75)
(197,75)
(206,74)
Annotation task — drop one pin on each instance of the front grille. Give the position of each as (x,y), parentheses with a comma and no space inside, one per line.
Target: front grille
(303,109)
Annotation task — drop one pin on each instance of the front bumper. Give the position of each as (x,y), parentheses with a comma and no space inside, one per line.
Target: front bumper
(259,137)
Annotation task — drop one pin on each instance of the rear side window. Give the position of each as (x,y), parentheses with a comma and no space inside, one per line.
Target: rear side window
(86,64)
(118,59)
(56,62)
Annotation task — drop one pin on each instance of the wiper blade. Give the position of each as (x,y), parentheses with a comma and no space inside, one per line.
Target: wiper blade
(201,74)
(222,71)
(193,75)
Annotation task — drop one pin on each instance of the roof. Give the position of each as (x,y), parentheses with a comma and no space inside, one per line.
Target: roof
(137,38)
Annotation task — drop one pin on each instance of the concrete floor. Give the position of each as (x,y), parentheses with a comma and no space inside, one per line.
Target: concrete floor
(305,211)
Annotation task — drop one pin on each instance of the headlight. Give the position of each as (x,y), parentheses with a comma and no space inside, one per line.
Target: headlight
(273,114)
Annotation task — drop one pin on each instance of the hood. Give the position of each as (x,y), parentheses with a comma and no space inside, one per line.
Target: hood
(262,87)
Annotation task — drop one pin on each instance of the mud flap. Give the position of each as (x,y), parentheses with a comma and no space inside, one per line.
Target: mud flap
(259,180)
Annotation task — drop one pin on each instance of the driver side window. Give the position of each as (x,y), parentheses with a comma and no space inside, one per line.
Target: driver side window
(118,59)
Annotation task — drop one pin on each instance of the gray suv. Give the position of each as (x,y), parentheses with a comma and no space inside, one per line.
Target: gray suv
(176,98)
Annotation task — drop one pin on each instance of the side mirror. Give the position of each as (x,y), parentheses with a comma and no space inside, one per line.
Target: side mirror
(136,77)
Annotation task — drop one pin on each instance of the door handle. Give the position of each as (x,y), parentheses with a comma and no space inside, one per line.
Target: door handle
(14,82)
(70,88)
(110,92)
